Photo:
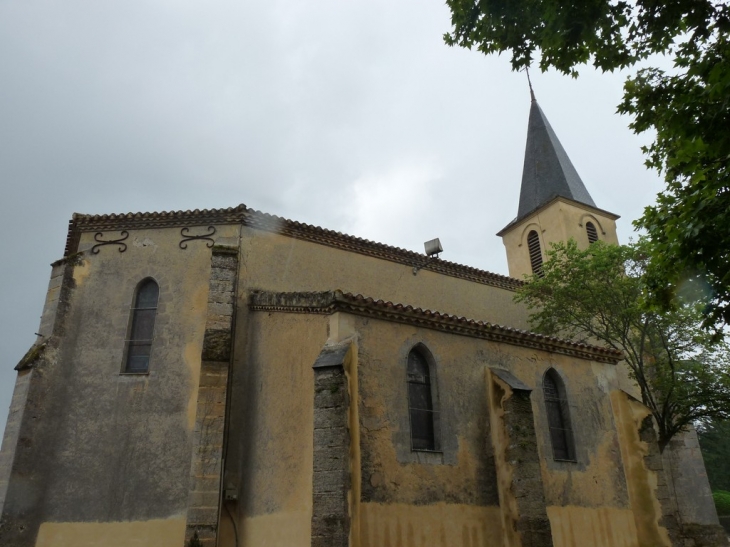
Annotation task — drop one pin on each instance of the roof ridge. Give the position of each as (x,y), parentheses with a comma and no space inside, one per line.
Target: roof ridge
(81,217)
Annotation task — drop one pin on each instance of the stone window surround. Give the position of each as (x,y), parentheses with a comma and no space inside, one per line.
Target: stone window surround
(127,338)
(446,451)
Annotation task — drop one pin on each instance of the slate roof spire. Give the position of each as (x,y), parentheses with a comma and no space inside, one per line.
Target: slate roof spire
(547,172)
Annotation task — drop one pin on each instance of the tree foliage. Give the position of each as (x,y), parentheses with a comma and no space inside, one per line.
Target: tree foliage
(715,443)
(597,295)
(722,502)
(688,107)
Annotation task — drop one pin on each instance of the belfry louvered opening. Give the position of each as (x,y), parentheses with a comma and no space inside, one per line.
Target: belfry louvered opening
(533,245)
(592,233)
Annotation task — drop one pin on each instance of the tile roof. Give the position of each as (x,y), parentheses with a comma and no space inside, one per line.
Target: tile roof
(262,221)
(332,301)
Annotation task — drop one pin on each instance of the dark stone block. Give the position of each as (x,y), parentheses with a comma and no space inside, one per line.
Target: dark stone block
(330,417)
(705,535)
(217,345)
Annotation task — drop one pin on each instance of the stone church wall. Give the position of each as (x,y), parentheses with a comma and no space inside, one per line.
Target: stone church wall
(99,446)
(401,490)
(104,457)
(274,262)
(271,429)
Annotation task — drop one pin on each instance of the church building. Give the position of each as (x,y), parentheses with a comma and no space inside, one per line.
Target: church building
(231,378)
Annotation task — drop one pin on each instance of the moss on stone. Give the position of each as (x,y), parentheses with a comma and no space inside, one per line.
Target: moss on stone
(31,356)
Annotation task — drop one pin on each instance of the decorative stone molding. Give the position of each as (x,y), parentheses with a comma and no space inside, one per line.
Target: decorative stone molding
(333,301)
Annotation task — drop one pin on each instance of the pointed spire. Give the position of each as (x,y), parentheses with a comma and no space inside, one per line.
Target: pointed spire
(547,172)
(529,82)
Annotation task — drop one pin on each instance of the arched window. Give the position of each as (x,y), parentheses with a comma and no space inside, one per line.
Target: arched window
(533,245)
(420,403)
(142,326)
(556,405)
(592,233)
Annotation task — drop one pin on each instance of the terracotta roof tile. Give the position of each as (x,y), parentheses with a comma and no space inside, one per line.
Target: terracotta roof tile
(331,301)
(272,223)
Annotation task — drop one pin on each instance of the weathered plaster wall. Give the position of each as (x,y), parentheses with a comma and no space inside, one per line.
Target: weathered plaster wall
(465,473)
(268,353)
(437,525)
(574,526)
(277,263)
(157,532)
(596,479)
(559,221)
(642,483)
(12,430)
(272,427)
(11,436)
(100,446)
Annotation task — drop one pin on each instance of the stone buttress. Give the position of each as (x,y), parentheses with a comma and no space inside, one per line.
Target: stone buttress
(205,472)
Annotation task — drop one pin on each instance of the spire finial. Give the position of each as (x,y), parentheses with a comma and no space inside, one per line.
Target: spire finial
(529,82)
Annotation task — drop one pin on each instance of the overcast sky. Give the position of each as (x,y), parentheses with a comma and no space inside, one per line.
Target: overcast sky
(348,115)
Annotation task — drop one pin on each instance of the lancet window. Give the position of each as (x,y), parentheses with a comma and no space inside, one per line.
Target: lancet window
(422,412)
(142,327)
(558,415)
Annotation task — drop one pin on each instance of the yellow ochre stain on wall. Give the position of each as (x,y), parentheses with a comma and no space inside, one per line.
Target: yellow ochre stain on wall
(147,533)
(438,525)
(594,486)
(498,392)
(81,272)
(192,355)
(574,526)
(282,529)
(641,481)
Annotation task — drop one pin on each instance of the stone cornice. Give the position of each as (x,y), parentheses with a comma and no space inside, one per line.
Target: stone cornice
(337,301)
(271,223)
(527,216)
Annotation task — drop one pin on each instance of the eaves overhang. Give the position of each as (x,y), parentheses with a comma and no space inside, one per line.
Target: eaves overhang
(337,301)
(245,216)
(555,199)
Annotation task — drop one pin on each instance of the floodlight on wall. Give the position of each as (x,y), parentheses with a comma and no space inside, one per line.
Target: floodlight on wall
(433,248)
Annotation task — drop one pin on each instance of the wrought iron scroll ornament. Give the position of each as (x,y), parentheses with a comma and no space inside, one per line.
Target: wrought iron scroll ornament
(101,242)
(184,232)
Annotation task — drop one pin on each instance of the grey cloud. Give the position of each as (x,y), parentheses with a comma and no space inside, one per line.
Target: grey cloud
(290,107)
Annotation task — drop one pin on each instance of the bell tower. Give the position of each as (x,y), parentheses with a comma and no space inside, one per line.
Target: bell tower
(554,203)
